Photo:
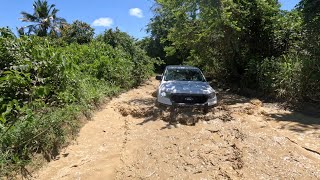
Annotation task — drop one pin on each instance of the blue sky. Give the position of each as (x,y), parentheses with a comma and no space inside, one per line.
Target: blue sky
(288,4)
(130,16)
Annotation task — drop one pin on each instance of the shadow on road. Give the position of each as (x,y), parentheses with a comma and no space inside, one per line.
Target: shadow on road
(297,122)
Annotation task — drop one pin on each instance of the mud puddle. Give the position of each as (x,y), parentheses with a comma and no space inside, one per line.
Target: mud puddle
(239,139)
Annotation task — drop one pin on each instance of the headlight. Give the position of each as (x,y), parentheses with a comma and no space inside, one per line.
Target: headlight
(164,94)
(212,95)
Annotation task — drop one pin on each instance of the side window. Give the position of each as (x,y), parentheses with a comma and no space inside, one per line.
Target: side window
(172,75)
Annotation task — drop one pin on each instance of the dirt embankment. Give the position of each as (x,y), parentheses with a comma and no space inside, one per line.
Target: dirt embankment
(239,139)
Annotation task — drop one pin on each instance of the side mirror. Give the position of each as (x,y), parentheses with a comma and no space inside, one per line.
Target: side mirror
(209,78)
(159,77)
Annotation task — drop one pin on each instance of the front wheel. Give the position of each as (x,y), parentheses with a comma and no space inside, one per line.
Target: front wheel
(173,113)
(206,110)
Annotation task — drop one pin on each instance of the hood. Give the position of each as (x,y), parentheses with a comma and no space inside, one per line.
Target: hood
(186,87)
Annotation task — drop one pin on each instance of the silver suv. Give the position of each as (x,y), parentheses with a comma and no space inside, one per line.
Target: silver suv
(185,86)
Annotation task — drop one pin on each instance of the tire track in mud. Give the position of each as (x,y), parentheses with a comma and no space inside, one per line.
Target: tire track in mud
(230,155)
(125,140)
(239,139)
(199,155)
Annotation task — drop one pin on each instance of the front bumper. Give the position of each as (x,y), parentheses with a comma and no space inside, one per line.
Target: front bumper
(167,102)
(182,105)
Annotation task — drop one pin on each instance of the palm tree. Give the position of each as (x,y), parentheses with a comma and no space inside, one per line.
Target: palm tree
(44,18)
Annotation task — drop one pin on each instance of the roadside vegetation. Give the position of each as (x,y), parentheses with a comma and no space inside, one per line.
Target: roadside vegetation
(54,72)
(51,75)
(253,44)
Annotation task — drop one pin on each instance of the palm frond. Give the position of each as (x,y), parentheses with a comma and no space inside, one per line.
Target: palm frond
(41,8)
(26,17)
(52,7)
(54,11)
(30,29)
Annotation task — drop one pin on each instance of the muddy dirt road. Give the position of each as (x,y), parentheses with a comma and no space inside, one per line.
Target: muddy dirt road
(240,139)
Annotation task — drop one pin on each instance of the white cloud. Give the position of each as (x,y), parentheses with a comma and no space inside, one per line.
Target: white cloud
(136,12)
(104,21)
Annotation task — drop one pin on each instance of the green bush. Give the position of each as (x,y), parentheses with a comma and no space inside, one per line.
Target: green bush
(292,77)
(46,84)
(282,76)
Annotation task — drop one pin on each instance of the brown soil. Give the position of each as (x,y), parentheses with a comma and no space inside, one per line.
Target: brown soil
(239,139)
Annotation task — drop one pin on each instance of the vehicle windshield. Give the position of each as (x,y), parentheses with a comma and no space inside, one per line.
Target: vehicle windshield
(184,75)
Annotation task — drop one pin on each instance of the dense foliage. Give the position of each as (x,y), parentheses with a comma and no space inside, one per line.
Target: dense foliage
(45,83)
(77,32)
(122,41)
(252,43)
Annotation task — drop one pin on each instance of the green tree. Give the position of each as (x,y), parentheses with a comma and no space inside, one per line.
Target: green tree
(288,32)
(44,20)
(311,14)
(252,43)
(310,10)
(157,44)
(121,40)
(117,38)
(221,35)
(79,32)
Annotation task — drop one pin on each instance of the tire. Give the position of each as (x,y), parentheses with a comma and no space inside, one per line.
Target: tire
(173,112)
(160,106)
(205,110)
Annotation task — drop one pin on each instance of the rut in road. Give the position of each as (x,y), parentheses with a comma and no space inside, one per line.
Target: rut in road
(239,139)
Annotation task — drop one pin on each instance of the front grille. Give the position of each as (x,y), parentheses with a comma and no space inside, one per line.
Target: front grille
(189,98)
